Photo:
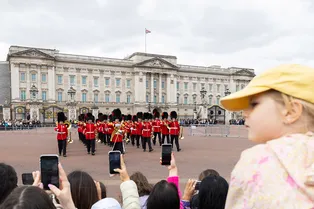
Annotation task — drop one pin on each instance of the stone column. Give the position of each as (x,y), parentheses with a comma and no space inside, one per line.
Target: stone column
(168,85)
(160,89)
(152,88)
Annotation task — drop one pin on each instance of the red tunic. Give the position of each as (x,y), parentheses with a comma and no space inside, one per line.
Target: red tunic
(110,128)
(139,128)
(134,128)
(174,128)
(147,129)
(62,131)
(127,127)
(80,127)
(164,128)
(118,137)
(105,128)
(89,131)
(156,125)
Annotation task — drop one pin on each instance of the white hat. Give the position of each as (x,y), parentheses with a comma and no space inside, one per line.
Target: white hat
(107,203)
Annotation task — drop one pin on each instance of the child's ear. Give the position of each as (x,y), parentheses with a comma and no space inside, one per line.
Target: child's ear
(294,113)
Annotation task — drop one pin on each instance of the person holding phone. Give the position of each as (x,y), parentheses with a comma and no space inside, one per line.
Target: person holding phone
(90,130)
(174,130)
(147,133)
(62,134)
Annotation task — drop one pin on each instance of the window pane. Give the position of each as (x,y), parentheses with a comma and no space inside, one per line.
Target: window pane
(118,82)
(107,98)
(83,80)
(117,98)
(43,96)
(59,96)
(59,79)
(128,83)
(33,77)
(96,82)
(43,78)
(107,82)
(128,99)
(163,99)
(72,80)
(84,97)
(96,98)
(185,100)
(147,100)
(155,84)
(163,84)
(22,77)
(155,99)
(147,84)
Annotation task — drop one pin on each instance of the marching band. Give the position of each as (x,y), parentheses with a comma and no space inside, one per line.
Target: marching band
(117,130)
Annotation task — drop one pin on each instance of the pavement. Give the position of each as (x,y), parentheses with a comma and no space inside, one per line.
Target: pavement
(22,150)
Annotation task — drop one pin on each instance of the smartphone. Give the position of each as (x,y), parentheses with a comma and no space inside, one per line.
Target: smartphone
(166,150)
(27,178)
(114,161)
(49,170)
(197,185)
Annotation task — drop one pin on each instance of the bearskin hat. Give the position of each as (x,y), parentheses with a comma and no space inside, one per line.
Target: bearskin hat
(123,117)
(146,116)
(156,113)
(151,116)
(90,117)
(173,114)
(105,117)
(100,116)
(164,115)
(61,117)
(110,118)
(139,115)
(134,118)
(116,114)
(129,117)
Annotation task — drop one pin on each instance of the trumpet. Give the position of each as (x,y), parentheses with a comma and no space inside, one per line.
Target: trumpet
(181,133)
(126,139)
(69,126)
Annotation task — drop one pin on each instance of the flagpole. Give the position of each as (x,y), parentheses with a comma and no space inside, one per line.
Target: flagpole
(145,40)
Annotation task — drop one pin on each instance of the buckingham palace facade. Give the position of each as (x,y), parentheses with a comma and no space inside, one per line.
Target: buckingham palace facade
(45,81)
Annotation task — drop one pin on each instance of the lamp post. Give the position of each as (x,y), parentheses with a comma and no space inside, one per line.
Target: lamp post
(149,106)
(71,103)
(227,113)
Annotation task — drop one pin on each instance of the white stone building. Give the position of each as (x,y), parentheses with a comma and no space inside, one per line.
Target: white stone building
(135,83)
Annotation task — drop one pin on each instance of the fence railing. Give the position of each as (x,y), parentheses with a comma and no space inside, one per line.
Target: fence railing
(218,130)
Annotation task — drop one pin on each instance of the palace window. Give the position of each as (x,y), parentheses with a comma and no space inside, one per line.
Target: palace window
(95,82)
(163,99)
(155,99)
(33,77)
(107,82)
(23,95)
(194,86)
(163,84)
(59,96)
(155,84)
(72,80)
(84,78)
(107,97)
(118,98)
(186,86)
(146,83)
(83,97)
(128,83)
(194,99)
(59,79)
(147,98)
(128,99)
(178,85)
(185,100)
(95,97)
(118,82)
(22,76)
(44,78)
(218,100)
(44,95)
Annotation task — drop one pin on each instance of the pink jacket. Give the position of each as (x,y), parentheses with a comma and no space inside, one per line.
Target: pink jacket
(175,181)
(278,174)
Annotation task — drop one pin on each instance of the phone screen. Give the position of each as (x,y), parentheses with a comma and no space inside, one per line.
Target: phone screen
(49,170)
(114,161)
(27,178)
(197,185)
(166,150)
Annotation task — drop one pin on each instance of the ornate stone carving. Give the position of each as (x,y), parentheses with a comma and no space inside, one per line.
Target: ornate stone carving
(156,63)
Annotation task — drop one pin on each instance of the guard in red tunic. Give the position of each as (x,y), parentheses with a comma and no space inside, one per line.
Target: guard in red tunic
(134,131)
(90,131)
(99,123)
(174,130)
(118,132)
(80,126)
(127,127)
(62,134)
(147,133)
(105,128)
(139,128)
(156,127)
(164,128)
(110,130)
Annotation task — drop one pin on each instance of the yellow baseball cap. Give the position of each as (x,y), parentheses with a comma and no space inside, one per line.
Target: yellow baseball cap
(294,80)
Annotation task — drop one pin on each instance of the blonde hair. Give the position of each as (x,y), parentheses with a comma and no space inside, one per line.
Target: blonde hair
(308,108)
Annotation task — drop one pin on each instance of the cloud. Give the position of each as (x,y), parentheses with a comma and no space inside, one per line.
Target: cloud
(252,34)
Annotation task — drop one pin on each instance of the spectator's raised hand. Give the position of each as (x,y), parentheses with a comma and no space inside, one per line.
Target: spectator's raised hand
(37,180)
(189,190)
(124,176)
(64,192)
(97,184)
(173,170)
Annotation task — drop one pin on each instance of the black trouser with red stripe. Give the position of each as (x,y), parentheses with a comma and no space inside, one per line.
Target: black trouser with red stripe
(62,145)
(176,139)
(155,138)
(163,139)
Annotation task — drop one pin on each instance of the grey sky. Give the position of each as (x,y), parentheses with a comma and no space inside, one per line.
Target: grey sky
(256,34)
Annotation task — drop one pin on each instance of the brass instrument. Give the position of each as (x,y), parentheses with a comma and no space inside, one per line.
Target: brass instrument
(181,133)
(69,126)
(115,130)
(125,138)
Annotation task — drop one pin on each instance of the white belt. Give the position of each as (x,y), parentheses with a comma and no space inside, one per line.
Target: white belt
(61,132)
(89,132)
(174,128)
(146,129)
(156,126)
